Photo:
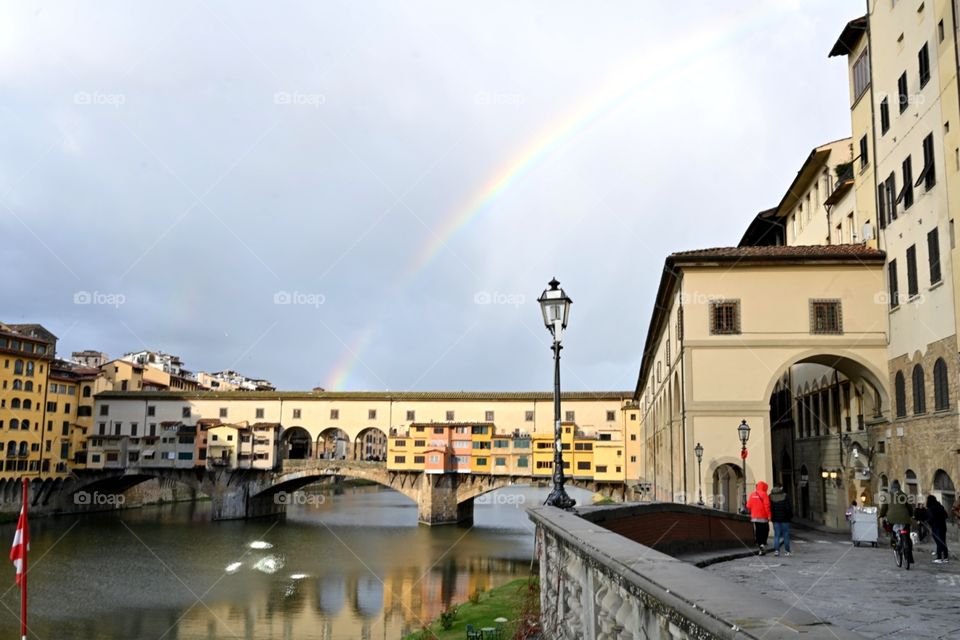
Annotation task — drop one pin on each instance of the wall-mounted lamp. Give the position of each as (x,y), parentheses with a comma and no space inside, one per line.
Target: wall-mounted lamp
(833,475)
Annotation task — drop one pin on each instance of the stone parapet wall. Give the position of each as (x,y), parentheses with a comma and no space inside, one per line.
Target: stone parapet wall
(597,585)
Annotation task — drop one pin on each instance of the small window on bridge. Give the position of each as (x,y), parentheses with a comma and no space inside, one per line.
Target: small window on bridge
(411,416)
(528,416)
(371,414)
(334,414)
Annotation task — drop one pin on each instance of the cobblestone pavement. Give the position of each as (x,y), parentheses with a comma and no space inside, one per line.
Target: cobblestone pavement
(858,588)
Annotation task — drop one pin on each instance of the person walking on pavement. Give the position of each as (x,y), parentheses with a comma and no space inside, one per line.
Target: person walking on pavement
(758,506)
(851,511)
(937,517)
(781,513)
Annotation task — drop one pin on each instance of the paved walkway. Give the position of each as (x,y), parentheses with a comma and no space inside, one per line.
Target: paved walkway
(858,588)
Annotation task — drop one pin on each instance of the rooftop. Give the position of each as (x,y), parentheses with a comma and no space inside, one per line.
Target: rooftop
(851,34)
(805,253)
(386,396)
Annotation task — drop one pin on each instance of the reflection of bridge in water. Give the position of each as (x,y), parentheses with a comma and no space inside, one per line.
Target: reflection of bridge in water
(441,498)
(357,602)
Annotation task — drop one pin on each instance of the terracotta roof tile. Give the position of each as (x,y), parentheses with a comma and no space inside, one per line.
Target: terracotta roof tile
(802,252)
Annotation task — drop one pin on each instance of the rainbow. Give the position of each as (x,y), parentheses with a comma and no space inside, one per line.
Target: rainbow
(603,102)
(611,96)
(348,360)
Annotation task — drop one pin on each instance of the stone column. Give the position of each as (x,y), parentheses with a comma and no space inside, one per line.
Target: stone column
(437,500)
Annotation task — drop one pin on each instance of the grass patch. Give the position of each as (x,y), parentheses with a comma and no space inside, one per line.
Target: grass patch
(513,601)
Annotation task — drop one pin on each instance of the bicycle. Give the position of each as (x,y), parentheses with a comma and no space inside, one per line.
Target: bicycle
(902,544)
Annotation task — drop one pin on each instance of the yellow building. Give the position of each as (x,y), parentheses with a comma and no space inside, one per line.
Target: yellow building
(27,351)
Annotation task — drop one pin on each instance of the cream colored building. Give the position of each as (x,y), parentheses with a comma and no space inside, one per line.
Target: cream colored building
(728,328)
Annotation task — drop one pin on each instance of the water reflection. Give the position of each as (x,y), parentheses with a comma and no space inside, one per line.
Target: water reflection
(356,566)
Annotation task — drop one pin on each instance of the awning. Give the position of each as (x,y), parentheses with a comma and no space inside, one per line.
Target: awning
(148,453)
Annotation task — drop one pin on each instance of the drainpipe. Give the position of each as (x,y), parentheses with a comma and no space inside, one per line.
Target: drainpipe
(683,403)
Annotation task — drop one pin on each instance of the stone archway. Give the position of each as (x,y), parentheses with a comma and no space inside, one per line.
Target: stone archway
(727,488)
(296,444)
(334,444)
(370,445)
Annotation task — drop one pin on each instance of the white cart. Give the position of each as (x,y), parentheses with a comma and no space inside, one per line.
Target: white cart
(863,526)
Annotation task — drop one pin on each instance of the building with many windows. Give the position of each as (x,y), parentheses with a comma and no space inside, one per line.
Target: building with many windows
(902,63)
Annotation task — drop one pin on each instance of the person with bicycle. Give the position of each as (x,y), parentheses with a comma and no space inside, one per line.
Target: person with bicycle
(897,511)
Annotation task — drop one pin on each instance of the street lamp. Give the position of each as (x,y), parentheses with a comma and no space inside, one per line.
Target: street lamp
(698,451)
(555,306)
(744,432)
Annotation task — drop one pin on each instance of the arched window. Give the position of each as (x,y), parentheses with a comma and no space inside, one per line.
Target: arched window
(913,486)
(900,391)
(28,385)
(25,425)
(24,449)
(18,368)
(943,485)
(17,385)
(884,483)
(11,448)
(15,403)
(14,424)
(86,391)
(941,387)
(919,391)
(30,369)
(28,404)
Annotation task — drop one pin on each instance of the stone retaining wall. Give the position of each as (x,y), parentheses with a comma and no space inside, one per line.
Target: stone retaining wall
(597,585)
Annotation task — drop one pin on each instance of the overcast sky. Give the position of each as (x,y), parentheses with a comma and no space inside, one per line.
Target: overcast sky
(371,195)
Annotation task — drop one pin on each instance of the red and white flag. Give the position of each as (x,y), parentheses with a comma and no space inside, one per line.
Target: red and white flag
(21,544)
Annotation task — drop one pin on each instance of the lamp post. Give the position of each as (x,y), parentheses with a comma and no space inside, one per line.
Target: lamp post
(744,432)
(555,306)
(698,451)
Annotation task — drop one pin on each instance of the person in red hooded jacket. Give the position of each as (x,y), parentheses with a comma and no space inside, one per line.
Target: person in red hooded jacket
(758,506)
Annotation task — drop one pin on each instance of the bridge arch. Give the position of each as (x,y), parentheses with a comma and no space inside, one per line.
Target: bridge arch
(333,443)
(370,444)
(296,444)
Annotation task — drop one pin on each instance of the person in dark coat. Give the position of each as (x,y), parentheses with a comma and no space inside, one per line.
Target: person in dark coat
(937,519)
(781,513)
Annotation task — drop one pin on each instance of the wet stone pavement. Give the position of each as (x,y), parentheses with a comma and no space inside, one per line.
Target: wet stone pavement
(858,588)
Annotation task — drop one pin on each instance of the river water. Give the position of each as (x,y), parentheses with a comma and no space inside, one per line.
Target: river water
(347,565)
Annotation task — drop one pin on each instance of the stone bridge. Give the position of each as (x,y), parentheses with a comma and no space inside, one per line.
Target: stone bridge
(441,498)
(249,493)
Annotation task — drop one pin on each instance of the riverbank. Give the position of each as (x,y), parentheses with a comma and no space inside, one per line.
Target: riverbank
(518,601)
